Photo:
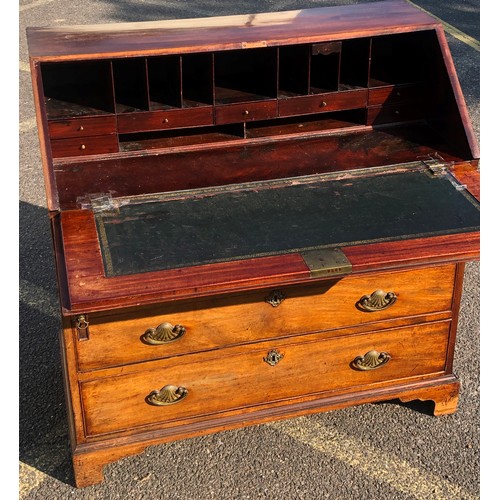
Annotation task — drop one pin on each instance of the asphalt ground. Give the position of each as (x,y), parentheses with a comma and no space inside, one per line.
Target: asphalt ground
(386,450)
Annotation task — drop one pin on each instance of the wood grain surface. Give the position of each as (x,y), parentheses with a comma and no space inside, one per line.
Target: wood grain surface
(242,378)
(228,32)
(89,289)
(221,322)
(244,160)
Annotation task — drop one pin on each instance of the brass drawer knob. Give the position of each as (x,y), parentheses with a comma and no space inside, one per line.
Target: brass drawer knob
(246,112)
(165,120)
(371,360)
(322,104)
(80,128)
(168,395)
(377,301)
(82,146)
(163,334)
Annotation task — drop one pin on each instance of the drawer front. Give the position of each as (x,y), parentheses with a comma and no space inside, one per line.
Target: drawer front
(396,113)
(393,94)
(164,120)
(119,339)
(260,374)
(82,146)
(236,113)
(82,127)
(334,101)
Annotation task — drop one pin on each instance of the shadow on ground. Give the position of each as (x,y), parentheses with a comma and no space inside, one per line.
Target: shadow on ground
(43,431)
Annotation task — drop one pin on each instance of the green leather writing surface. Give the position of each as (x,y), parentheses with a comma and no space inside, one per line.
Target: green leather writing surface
(213,226)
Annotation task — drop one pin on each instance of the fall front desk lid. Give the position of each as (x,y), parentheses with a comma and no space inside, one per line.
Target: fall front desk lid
(190,228)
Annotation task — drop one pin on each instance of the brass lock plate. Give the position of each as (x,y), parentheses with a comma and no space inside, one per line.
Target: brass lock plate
(327,262)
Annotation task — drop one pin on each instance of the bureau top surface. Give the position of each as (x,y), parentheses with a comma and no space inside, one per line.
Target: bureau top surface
(225,32)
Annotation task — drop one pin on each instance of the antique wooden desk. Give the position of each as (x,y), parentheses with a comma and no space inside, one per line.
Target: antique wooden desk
(254,217)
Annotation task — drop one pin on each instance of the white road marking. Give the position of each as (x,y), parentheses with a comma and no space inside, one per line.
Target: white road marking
(397,473)
(32,5)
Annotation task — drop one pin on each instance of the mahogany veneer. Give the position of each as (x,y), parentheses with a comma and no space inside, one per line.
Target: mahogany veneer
(315,110)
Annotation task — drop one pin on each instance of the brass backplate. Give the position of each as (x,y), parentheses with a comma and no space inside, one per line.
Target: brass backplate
(327,262)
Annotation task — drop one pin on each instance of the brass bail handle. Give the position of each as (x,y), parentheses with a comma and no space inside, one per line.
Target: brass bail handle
(377,301)
(81,322)
(167,395)
(371,360)
(163,334)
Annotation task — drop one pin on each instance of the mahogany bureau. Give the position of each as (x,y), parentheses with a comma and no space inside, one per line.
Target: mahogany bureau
(254,217)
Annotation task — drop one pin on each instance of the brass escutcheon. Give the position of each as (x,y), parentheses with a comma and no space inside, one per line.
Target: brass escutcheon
(275,298)
(273,357)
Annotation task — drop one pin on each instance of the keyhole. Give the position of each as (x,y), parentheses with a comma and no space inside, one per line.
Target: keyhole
(273,357)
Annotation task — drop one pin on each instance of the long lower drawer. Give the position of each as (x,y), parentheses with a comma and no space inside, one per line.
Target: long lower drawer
(245,376)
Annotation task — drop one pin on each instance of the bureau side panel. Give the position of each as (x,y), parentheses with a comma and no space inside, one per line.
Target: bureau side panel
(457,297)
(71,384)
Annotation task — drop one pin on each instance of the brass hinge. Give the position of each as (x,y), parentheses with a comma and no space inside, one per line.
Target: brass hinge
(436,166)
(327,262)
(100,203)
(82,327)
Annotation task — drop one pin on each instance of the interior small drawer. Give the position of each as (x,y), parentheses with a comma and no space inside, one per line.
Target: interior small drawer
(164,120)
(117,339)
(332,101)
(236,113)
(82,127)
(246,376)
(81,146)
(393,94)
(404,111)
